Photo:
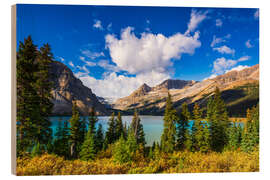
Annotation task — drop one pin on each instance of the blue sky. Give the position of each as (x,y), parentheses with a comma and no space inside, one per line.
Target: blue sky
(114,49)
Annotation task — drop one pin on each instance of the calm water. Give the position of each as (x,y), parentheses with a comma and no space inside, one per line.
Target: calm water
(152,125)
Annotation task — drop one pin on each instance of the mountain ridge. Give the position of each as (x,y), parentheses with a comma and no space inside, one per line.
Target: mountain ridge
(191,91)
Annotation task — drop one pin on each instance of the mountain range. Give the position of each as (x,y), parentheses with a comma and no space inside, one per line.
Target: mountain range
(239,89)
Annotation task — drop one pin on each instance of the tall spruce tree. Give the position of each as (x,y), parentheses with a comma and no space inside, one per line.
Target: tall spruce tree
(88,150)
(198,128)
(250,139)
(137,129)
(169,130)
(44,86)
(218,120)
(99,138)
(182,126)
(110,133)
(235,136)
(61,142)
(28,111)
(203,138)
(119,126)
(75,132)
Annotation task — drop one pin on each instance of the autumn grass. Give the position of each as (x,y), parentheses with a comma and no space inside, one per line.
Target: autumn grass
(178,162)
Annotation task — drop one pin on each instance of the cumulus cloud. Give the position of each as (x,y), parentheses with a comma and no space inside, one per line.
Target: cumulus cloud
(116,86)
(150,51)
(224,50)
(71,64)
(217,40)
(87,62)
(222,64)
(196,17)
(248,44)
(243,58)
(238,68)
(61,58)
(106,65)
(98,24)
(219,22)
(92,55)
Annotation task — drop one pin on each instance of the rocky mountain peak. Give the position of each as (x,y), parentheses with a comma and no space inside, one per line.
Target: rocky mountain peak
(174,84)
(142,90)
(68,89)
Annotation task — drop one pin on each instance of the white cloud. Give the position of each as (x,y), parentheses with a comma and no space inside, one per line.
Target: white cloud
(243,58)
(217,40)
(150,51)
(144,59)
(92,55)
(256,14)
(219,22)
(238,68)
(61,58)
(210,77)
(71,63)
(248,44)
(116,86)
(196,17)
(98,24)
(88,63)
(106,65)
(224,50)
(222,64)
(109,27)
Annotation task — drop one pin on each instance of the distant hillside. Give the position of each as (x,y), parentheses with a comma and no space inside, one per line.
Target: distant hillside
(68,89)
(240,90)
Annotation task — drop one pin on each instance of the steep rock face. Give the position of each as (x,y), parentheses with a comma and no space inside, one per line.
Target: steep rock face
(142,91)
(189,91)
(173,84)
(251,73)
(68,89)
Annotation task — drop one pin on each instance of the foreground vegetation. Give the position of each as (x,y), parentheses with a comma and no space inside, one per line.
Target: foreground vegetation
(212,144)
(178,162)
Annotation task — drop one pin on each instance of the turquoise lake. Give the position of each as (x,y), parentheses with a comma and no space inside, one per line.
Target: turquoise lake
(152,125)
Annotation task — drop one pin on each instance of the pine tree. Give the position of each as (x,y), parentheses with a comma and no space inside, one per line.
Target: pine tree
(198,128)
(119,126)
(61,141)
(182,126)
(88,150)
(137,129)
(190,142)
(28,111)
(250,138)
(99,138)
(235,136)
(110,134)
(219,123)
(43,87)
(120,152)
(203,139)
(75,133)
(169,131)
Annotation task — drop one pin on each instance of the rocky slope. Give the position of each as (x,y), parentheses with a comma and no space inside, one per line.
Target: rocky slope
(68,89)
(239,89)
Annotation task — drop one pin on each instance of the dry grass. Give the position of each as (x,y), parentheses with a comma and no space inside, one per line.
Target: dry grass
(178,162)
